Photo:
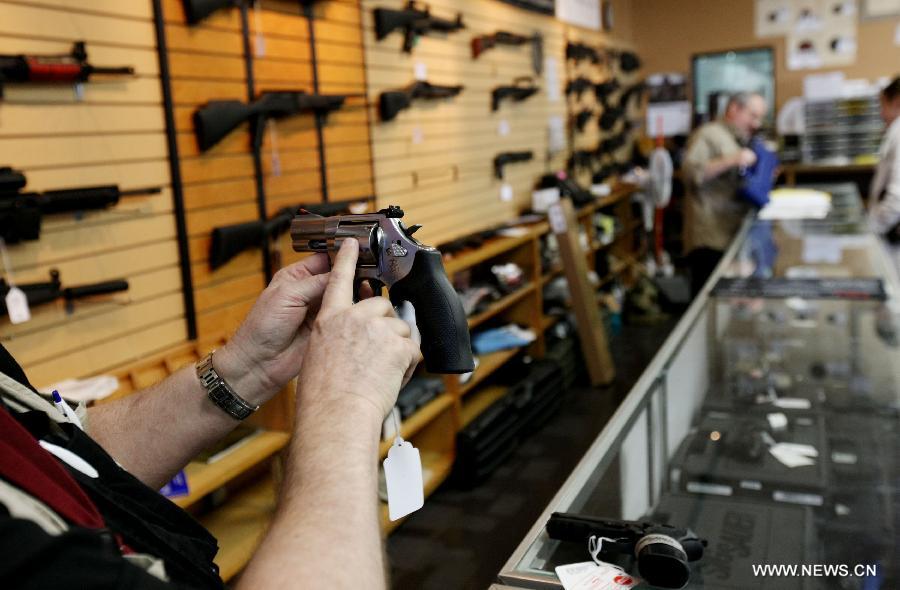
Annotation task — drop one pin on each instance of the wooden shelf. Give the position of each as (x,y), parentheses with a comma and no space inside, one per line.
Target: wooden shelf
(419,419)
(240,524)
(547,322)
(435,469)
(203,478)
(551,274)
(501,304)
(488,363)
(479,402)
(491,248)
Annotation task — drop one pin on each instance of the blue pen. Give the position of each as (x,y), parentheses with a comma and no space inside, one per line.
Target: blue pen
(66,410)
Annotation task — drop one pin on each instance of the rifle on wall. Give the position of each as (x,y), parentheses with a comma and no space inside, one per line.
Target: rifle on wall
(521,88)
(217,118)
(21,213)
(415,20)
(482,43)
(68,68)
(580,52)
(502,159)
(40,293)
(392,102)
(230,240)
(196,11)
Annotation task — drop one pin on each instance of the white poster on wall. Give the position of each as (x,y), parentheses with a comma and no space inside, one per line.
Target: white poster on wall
(668,118)
(584,13)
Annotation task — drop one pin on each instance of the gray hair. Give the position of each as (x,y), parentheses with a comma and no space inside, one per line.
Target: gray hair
(741,98)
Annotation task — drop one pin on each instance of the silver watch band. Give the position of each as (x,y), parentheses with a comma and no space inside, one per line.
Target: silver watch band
(221,393)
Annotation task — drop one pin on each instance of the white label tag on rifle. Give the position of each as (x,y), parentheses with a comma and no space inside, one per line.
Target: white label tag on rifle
(420,71)
(503,128)
(17,306)
(259,49)
(403,476)
(418,136)
(506,192)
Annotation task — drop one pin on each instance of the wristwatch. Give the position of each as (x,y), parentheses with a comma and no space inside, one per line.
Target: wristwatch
(221,393)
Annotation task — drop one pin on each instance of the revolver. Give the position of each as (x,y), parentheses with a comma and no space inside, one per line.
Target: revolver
(390,257)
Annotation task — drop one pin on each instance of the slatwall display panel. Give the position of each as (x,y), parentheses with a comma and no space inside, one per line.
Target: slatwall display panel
(592,135)
(206,63)
(435,159)
(113,134)
(293,168)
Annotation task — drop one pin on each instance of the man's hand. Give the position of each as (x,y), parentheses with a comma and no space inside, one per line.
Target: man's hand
(745,158)
(360,350)
(268,348)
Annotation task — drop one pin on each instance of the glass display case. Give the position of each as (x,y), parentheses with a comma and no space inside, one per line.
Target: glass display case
(767,424)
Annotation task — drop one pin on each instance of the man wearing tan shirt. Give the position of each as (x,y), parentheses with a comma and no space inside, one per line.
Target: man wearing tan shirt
(715,154)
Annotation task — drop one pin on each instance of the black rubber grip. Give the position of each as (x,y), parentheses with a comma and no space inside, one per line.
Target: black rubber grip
(439,314)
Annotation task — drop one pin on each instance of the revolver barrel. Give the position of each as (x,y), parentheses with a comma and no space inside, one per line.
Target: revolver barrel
(312,233)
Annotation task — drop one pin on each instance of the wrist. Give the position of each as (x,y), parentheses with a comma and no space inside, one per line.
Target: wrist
(242,375)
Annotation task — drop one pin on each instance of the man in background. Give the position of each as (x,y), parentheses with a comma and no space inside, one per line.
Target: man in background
(884,192)
(716,153)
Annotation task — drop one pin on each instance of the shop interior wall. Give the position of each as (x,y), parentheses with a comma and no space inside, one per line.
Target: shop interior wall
(114,135)
(435,159)
(207,62)
(669,33)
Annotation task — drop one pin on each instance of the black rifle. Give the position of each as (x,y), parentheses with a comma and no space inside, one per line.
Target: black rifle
(392,102)
(628,60)
(609,118)
(69,68)
(415,20)
(522,87)
(217,118)
(501,160)
(21,212)
(581,159)
(578,86)
(39,293)
(582,118)
(230,240)
(482,43)
(198,10)
(603,90)
(580,52)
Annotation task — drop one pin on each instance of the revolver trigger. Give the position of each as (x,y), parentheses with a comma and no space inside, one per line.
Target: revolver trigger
(413,229)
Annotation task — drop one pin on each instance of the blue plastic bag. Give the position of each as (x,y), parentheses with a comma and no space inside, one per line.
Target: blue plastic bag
(759,179)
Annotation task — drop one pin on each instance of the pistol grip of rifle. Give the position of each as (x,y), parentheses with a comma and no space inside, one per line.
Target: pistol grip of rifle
(439,314)
(409,40)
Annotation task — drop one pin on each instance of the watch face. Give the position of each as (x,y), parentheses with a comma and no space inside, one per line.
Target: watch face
(608,15)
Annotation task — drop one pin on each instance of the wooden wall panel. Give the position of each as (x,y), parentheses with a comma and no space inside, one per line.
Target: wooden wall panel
(435,159)
(113,133)
(207,62)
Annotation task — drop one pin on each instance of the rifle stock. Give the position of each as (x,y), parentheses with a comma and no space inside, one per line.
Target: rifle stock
(197,10)
(217,118)
(391,102)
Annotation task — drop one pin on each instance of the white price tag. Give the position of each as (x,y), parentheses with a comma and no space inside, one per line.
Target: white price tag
(403,476)
(590,576)
(259,42)
(420,71)
(418,136)
(503,128)
(556,129)
(17,306)
(506,192)
(557,219)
